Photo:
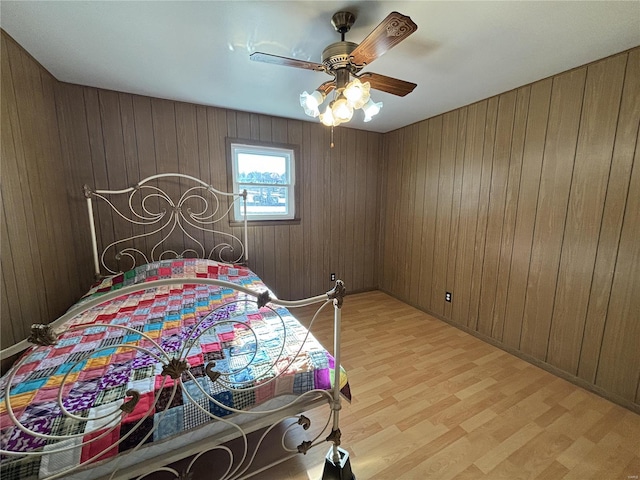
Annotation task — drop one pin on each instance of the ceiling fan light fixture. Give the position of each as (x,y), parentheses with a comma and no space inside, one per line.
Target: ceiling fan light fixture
(342,110)
(371,109)
(311,102)
(344,60)
(357,93)
(327,118)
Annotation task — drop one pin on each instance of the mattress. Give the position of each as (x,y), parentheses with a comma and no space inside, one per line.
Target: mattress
(153,369)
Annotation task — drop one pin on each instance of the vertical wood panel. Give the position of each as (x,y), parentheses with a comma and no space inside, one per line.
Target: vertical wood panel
(8,292)
(455,208)
(217,123)
(11,310)
(324,190)
(418,142)
(476,117)
(145,143)
(38,256)
(391,210)
(130,152)
(509,223)
(75,145)
(55,180)
(104,217)
(443,219)
(358,257)
(339,226)
(282,274)
(557,167)
(189,162)
(430,208)
(496,207)
(395,170)
(434,174)
(483,207)
(536,132)
(370,260)
(116,165)
(316,212)
(601,103)
(294,132)
(619,366)
(31,134)
(412,236)
(16,199)
(307,163)
(612,218)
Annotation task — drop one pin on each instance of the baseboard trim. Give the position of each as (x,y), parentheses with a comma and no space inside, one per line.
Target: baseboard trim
(623,402)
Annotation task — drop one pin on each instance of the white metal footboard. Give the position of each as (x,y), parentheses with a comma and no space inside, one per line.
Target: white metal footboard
(175,366)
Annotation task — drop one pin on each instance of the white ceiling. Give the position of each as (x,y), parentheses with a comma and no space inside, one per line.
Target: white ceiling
(199,51)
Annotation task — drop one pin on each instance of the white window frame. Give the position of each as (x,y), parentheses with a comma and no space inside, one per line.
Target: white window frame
(256,148)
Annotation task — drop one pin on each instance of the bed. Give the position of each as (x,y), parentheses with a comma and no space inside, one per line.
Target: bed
(177,349)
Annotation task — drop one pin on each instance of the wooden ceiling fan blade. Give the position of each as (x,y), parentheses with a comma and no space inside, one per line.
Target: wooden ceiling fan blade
(327,87)
(287,62)
(391,31)
(387,84)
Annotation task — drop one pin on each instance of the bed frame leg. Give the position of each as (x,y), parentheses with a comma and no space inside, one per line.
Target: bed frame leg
(339,471)
(336,464)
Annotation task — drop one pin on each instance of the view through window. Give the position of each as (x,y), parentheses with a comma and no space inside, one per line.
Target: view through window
(267,173)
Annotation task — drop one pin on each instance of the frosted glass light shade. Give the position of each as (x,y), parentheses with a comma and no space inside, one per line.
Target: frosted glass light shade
(327,117)
(357,93)
(311,103)
(370,109)
(342,111)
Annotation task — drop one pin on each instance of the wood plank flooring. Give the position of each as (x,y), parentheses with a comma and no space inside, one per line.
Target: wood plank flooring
(432,402)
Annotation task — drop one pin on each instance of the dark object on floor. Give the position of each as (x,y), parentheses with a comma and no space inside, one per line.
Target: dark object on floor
(342,471)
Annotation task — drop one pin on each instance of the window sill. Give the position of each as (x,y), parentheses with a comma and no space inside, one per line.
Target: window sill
(265,223)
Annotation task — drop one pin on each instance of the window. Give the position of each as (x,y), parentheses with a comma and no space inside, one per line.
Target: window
(267,172)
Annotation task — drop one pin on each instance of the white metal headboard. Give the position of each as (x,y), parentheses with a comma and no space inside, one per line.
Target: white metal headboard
(153,211)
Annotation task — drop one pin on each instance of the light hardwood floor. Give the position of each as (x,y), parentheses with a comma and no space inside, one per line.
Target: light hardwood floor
(432,402)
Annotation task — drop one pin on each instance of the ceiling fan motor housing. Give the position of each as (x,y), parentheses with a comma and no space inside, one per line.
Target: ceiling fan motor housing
(337,55)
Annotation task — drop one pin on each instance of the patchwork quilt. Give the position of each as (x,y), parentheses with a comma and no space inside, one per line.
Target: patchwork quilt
(147,366)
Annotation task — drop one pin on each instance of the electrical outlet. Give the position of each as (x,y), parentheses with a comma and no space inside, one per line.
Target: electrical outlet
(333,277)
(447,297)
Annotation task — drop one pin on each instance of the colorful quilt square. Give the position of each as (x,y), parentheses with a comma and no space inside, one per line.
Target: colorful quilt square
(169,398)
(195,414)
(217,407)
(135,433)
(168,423)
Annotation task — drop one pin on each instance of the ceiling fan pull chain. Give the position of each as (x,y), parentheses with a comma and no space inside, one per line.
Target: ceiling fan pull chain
(332,144)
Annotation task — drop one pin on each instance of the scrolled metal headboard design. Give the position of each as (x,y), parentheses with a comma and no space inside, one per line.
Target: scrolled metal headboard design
(199,208)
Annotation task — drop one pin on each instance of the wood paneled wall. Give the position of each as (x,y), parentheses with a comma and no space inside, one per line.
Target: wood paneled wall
(41,276)
(113,139)
(526,207)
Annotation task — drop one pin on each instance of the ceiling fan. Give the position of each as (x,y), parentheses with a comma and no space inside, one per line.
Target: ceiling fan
(344,60)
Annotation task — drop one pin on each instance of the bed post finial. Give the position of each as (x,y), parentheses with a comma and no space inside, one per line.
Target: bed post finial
(263,298)
(42,335)
(174,368)
(337,293)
